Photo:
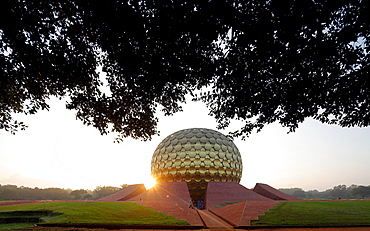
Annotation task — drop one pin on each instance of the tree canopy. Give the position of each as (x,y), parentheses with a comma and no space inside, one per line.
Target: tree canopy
(256,61)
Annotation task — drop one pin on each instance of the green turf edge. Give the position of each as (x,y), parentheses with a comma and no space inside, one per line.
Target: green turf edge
(16,226)
(120,213)
(316,213)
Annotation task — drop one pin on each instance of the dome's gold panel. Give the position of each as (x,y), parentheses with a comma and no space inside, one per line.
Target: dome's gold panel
(196,156)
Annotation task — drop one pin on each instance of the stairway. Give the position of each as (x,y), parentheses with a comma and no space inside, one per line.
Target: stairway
(240,214)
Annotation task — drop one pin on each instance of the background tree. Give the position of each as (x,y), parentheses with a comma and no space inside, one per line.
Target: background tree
(363,191)
(56,194)
(87,196)
(9,192)
(289,191)
(103,191)
(340,191)
(78,194)
(299,193)
(26,193)
(264,61)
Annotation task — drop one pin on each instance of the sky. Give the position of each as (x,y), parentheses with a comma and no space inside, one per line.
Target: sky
(56,150)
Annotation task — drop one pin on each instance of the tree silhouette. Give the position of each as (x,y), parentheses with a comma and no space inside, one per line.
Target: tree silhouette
(363,191)
(103,191)
(264,61)
(78,194)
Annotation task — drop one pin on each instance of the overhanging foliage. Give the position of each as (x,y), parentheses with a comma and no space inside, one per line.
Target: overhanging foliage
(264,61)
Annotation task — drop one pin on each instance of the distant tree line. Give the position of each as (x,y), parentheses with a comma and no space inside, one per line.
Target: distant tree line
(13,192)
(337,192)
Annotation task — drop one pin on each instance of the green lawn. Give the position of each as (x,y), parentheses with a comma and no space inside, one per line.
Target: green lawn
(126,213)
(322,213)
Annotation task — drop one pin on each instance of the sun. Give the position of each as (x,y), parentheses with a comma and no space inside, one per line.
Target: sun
(149,183)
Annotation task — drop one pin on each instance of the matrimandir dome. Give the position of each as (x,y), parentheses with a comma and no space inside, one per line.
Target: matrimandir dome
(197,156)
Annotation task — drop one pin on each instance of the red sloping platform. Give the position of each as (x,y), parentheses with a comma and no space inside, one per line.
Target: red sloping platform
(175,192)
(178,211)
(124,194)
(227,192)
(240,214)
(171,198)
(270,192)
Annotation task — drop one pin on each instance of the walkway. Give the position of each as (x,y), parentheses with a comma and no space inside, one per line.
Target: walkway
(213,222)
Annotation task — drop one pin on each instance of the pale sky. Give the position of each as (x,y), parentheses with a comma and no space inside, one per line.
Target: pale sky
(59,151)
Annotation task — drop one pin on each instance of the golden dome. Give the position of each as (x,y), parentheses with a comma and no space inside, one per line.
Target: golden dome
(196,156)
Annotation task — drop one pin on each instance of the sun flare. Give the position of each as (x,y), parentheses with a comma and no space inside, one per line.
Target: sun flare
(150,182)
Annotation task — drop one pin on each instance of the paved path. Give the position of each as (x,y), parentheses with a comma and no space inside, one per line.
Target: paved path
(213,222)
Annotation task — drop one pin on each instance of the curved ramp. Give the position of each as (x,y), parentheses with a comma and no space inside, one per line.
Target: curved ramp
(175,192)
(124,194)
(219,193)
(170,198)
(273,193)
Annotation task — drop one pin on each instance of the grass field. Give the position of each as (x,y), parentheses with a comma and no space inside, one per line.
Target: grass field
(127,213)
(307,213)
(317,213)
